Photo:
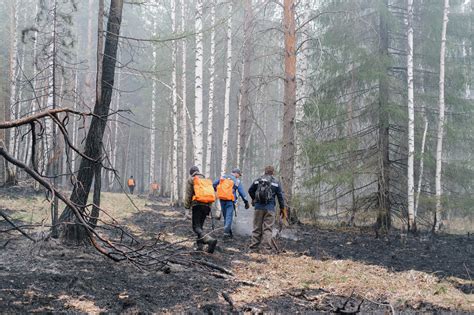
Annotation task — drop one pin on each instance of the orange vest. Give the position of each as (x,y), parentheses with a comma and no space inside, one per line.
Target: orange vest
(154,186)
(225,189)
(203,190)
(131,182)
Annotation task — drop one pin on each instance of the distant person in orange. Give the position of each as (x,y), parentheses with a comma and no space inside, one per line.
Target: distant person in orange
(154,188)
(131,184)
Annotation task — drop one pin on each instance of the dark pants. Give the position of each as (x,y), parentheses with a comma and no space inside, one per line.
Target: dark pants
(131,189)
(200,212)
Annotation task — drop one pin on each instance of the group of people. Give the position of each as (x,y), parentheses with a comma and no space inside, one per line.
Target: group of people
(264,191)
(154,187)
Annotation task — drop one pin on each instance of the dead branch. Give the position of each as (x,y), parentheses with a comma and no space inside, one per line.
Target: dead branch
(15,226)
(228,299)
(213,266)
(35,117)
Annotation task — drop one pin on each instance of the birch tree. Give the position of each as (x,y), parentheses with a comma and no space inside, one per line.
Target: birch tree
(198,141)
(210,125)
(244,103)
(184,116)
(174,100)
(411,121)
(441,108)
(228,78)
(153,108)
(13,112)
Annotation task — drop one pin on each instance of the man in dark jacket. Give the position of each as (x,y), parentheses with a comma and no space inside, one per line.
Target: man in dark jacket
(263,192)
(199,213)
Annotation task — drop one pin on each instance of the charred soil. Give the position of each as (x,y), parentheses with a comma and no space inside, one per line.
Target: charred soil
(326,270)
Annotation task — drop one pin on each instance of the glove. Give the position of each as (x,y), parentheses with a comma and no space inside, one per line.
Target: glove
(246,204)
(284,216)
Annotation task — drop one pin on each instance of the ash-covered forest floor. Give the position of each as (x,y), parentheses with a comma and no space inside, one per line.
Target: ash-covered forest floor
(324,270)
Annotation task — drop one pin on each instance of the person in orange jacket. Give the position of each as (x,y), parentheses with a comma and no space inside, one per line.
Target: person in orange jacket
(131,184)
(154,188)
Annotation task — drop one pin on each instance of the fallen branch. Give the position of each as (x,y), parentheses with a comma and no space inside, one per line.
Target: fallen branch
(228,299)
(16,227)
(213,266)
(35,117)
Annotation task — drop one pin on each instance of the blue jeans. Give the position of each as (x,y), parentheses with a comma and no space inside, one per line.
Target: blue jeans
(227,208)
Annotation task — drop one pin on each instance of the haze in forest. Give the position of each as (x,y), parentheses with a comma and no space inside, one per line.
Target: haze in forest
(364,107)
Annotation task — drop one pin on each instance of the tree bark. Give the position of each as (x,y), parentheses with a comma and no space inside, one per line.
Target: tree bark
(225,135)
(384,216)
(198,141)
(174,106)
(439,143)
(244,111)
(287,159)
(95,134)
(153,111)
(210,125)
(411,123)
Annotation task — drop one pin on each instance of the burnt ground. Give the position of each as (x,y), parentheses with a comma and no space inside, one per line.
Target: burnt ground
(48,276)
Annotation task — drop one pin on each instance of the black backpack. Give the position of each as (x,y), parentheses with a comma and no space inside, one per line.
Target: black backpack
(264,192)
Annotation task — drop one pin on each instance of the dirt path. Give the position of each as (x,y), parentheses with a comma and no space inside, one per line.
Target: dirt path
(325,270)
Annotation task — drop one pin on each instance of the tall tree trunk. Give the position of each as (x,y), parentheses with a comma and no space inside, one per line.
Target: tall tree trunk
(302,65)
(153,110)
(95,134)
(411,123)
(198,141)
(184,116)
(244,111)
(12,112)
(228,78)
(174,100)
(98,94)
(114,131)
(52,104)
(287,159)
(439,144)
(383,216)
(210,125)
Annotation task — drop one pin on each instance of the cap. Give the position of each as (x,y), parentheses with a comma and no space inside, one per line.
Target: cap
(193,170)
(237,171)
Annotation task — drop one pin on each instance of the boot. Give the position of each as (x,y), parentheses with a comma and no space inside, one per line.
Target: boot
(199,241)
(199,245)
(211,243)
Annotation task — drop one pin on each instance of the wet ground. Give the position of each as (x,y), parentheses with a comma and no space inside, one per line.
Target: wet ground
(48,276)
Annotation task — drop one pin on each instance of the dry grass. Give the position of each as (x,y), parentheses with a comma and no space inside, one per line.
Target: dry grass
(36,209)
(277,275)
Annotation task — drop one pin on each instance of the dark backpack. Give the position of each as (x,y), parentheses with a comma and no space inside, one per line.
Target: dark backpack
(264,193)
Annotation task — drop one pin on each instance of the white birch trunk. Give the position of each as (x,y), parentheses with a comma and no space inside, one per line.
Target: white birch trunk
(211,93)
(439,144)
(184,125)
(422,164)
(411,122)
(74,122)
(225,136)
(50,102)
(13,72)
(114,145)
(153,113)
(174,99)
(34,101)
(198,142)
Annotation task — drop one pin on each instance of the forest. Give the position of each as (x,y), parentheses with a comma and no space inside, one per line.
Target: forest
(114,114)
